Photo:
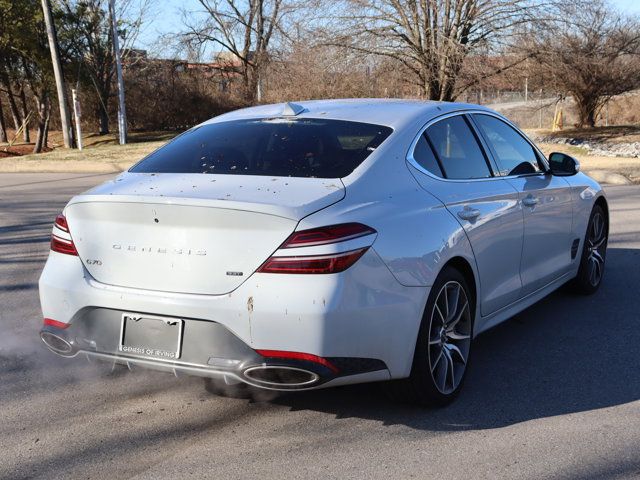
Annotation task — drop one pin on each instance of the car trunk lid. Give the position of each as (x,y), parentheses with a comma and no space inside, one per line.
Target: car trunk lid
(199,234)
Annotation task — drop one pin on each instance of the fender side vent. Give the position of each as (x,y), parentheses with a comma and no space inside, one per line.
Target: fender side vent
(574,248)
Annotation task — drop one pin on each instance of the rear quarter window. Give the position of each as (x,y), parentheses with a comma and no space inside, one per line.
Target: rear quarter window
(275,147)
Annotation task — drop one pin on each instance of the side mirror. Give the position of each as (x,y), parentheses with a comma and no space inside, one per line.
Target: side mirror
(563,165)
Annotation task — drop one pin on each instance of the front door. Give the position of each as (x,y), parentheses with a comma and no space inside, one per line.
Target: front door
(545,201)
(548,213)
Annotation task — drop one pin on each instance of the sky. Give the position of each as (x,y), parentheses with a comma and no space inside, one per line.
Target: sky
(628,5)
(166,17)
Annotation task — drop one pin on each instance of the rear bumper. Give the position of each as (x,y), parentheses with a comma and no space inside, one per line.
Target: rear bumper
(209,350)
(362,319)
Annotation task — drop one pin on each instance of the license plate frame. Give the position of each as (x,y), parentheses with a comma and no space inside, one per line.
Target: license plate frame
(161,336)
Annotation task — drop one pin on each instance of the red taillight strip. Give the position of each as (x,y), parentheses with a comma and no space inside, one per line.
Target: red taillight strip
(324,235)
(299,356)
(319,264)
(54,323)
(62,245)
(61,223)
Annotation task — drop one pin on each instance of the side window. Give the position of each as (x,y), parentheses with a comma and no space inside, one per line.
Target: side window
(515,156)
(457,149)
(423,155)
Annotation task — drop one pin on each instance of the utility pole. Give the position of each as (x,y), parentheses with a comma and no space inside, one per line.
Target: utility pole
(67,134)
(77,115)
(122,112)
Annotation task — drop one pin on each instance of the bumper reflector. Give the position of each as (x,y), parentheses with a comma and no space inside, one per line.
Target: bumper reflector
(307,357)
(54,323)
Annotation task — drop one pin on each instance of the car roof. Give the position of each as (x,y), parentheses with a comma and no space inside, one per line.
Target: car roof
(393,113)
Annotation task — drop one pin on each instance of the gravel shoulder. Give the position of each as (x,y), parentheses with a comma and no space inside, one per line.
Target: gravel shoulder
(604,169)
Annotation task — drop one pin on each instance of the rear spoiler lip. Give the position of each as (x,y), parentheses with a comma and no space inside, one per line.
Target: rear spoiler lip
(296,212)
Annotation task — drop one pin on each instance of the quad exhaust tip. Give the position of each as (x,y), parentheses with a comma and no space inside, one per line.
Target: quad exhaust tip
(56,343)
(280,376)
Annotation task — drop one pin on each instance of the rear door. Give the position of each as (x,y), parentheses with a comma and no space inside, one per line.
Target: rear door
(455,168)
(545,200)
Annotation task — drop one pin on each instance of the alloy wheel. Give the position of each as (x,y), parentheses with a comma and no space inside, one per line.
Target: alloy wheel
(449,337)
(596,248)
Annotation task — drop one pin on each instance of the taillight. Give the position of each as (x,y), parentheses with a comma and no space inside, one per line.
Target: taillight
(334,263)
(61,223)
(321,263)
(61,240)
(325,235)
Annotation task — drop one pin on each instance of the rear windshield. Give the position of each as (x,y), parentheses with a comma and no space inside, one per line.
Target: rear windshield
(275,147)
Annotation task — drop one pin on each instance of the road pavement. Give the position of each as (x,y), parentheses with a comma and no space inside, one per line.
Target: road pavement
(552,393)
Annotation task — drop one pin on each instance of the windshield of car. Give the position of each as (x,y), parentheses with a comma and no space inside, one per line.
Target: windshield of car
(275,147)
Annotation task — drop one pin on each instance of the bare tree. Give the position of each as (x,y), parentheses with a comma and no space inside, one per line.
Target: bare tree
(25,60)
(430,38)
(11,48)
(88,30)
(244,29)
(592,53)
(5,83)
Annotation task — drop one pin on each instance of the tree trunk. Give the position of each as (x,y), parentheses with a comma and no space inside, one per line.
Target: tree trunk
(37,148)
(587,108)
(42,102)
(103,91)
(45,142)
(447,88)
(249,82)
(103,117)
(13,107)
(434,90)
(23,100)
(3,129)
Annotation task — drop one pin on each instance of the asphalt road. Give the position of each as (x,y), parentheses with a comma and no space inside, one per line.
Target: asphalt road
(553,393)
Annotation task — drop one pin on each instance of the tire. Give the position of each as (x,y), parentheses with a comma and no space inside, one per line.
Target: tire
(594,252)
(443,345)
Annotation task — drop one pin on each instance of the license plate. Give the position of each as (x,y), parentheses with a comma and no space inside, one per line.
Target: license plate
(149,336)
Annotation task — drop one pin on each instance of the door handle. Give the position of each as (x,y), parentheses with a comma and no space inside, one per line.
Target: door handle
(530,201)
(469,213)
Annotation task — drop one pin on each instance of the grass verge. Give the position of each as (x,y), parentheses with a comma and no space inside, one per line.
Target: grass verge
(101,154)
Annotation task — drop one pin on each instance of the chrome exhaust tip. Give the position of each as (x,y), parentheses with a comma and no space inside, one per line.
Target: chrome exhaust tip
(281,377)
(56,343)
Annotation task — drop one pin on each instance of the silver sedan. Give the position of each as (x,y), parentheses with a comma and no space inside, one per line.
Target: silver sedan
(302,246)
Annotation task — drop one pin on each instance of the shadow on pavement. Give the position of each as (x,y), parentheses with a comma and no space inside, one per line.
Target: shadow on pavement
(568,353)
(564,355)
